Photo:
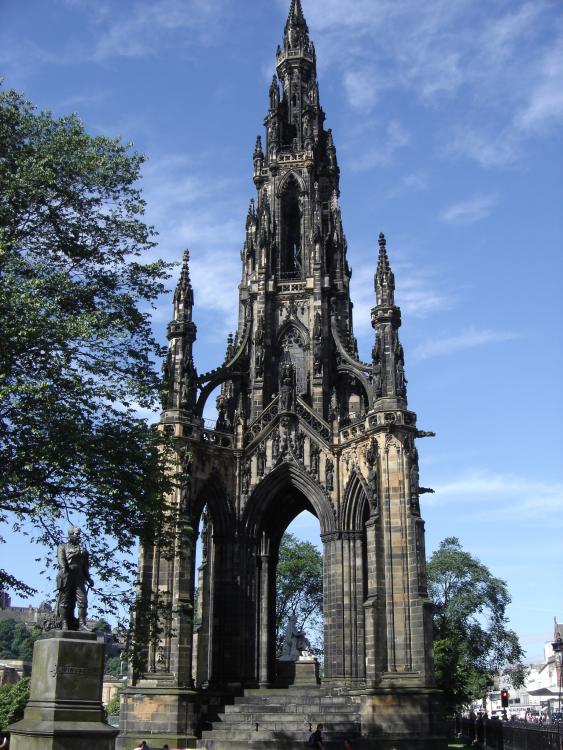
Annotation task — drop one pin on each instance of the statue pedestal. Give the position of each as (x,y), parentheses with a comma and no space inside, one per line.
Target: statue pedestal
(64,711)
(304,672)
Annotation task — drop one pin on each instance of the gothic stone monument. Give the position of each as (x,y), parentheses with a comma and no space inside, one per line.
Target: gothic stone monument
(303,424)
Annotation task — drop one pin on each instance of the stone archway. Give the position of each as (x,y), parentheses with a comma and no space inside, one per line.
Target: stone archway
(276,501)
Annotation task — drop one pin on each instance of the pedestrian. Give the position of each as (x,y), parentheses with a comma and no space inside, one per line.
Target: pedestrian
(316,738)
(142,746)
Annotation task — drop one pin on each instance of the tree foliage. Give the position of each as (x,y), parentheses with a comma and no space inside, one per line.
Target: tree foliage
(16,640)
(299,590)
(472,641)
(12,701)
(78,353)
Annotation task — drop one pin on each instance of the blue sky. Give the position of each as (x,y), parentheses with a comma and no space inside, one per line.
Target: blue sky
(447,122)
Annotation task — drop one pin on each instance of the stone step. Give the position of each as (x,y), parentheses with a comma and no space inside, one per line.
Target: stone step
(282,726)
(290,708)
(313,717)
(297,735)
(286,744)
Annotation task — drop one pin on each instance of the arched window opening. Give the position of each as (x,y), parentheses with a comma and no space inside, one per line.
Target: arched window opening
(299,585)
(291,260)
(202,612)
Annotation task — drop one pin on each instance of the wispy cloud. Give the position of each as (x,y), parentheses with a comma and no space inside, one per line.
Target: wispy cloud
(394,137)
(526,498)
(469,210)
(468,339)
(361,89)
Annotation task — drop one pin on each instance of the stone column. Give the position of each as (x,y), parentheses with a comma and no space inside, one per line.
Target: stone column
(264,622)
(65,711)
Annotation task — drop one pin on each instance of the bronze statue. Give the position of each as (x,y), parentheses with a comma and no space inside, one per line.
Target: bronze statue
(72,578)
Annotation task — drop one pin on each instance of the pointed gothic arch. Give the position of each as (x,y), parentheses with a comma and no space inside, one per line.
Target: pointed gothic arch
(287,177)
(355,505)
(263,509)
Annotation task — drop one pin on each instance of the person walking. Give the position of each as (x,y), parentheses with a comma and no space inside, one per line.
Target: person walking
(316,738)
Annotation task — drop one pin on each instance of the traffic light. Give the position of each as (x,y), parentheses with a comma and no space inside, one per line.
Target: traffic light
(504,698)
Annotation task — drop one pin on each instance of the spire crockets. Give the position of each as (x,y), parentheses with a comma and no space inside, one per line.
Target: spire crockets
(389,381)
(179,371)
(296,25)
(384,281)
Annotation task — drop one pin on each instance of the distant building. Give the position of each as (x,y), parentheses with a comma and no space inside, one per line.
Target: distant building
(541,691)
(28,616)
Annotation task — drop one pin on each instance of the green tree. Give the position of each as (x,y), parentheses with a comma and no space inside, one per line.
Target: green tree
(112,708)
(12,701)
(472,641)
(16,640)
(299,590)
(77,356)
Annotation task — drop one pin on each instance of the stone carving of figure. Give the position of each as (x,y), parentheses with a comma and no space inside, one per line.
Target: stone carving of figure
(274,93)
(276,444)
(287,388)
(299,444)
(259,362)
(376,379)
(329,473)
(245,478)
(295,643)
(333,409)
(315,458)
(72,577)
(261,460)
(306,127)
(400,379)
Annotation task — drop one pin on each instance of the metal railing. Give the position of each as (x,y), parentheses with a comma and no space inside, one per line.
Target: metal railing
(507,735)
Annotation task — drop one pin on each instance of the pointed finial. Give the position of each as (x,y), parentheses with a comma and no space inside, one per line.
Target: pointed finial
(295,16)
(185,272)
(384,280)
(258,153)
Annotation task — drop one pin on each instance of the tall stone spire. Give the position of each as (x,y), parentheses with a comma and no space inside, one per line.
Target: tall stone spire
(389,381)
(384,280)
(179,371)
(295,21)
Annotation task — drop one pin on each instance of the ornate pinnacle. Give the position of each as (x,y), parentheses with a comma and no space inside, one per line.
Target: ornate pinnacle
(384,280)
(295,17)
(184,289)
(258,153)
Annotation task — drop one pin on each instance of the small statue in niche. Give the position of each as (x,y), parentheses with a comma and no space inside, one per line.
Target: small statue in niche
(259,362)
(299,444)
(261,460)
(275,444)
(315,459)
(287,387)
(329,474)
(333,407)
(245,478)
(376,380)
(222,424)
(400,379)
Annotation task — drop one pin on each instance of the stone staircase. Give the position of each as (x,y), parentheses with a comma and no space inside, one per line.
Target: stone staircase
(268,719)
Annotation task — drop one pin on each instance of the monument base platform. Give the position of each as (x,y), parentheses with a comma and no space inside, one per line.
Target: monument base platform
(304,672)
(65,711)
